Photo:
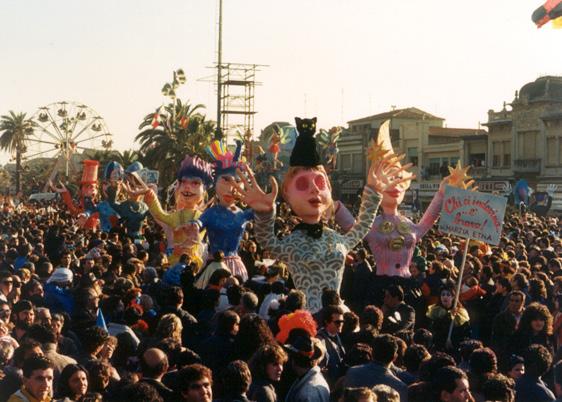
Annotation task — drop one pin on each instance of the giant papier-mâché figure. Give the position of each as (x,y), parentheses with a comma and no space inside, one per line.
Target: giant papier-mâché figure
(113,175)
(393,237)
(521,193)
(133,210)
(224,221)
(314,254)
(85,209)
(194,177)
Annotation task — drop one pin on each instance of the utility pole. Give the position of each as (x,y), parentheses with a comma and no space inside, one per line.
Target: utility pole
(218,133)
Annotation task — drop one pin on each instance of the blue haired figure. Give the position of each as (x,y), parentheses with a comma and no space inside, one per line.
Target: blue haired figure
(133,210)
(113,174)
(225,222)
(521,193)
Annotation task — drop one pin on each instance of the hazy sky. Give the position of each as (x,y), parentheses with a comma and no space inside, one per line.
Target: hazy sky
(334,59)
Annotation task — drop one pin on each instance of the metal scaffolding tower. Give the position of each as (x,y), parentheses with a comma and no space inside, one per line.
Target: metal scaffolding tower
(237,97)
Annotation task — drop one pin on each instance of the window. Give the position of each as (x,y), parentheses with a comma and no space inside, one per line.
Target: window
(506,153)
(477,160)
(394,137)
(413,155)
(434,165)
(528,145)
(357,163)
(454,161)
(551,151)
(345,162)
(496,154)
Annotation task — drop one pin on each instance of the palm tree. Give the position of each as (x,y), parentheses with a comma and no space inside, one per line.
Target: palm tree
(164,145)
(15,128)
(126,158)
(173,131)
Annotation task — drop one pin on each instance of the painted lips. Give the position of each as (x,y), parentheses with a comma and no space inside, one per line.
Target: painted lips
(395,193)
(315,202)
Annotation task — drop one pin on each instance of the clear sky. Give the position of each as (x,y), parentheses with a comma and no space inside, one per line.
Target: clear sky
(334,59)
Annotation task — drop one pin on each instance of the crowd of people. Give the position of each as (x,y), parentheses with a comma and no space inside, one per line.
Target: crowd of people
(92,316)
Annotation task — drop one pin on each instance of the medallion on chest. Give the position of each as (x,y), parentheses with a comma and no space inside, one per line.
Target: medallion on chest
(395,233)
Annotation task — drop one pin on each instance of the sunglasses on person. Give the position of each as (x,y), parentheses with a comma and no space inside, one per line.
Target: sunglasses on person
(8,282)
(338,322)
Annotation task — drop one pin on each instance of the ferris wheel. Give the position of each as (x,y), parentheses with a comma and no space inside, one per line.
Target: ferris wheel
(64,129)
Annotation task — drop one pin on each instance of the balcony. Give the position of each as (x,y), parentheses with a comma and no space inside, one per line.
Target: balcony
(527,166)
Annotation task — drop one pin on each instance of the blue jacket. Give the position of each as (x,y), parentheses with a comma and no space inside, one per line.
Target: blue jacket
(371,374)
(312,387)
(529,389)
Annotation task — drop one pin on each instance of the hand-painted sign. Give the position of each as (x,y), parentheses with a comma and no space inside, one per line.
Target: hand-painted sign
(472,214)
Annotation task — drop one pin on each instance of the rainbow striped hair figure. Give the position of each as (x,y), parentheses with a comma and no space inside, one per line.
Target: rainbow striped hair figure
(225,162)
(194,166)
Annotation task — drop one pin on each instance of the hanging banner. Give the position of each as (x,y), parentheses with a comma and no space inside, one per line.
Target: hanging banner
(472,214)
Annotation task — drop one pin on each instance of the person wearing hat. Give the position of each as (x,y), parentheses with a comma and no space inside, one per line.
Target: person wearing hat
(305,353)
(314,254)
(86,209)
(58,295)
(194,177)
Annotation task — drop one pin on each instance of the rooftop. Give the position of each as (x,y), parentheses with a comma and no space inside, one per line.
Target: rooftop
(409,113)
(548,88)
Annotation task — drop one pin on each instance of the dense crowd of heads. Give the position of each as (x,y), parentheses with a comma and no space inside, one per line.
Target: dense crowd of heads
(93,316)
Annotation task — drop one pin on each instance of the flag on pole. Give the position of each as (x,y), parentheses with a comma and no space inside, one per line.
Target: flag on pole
(100,320)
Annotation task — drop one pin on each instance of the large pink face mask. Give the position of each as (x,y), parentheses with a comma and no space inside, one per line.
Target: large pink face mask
(393,197)
(308,194)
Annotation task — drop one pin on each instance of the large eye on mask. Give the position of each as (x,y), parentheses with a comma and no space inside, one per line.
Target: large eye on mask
(320,182)
(303,182)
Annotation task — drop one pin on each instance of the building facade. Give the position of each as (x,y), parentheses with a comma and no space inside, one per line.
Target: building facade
(421,136)
(525,137)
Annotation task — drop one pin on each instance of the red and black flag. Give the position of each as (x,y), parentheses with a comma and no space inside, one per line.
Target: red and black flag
(549,11)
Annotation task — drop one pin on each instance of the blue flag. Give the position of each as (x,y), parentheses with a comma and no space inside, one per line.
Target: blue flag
(100,320)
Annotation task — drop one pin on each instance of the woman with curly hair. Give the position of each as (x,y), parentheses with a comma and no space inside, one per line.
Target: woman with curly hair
(253,333)
(266,366)
(535,326)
